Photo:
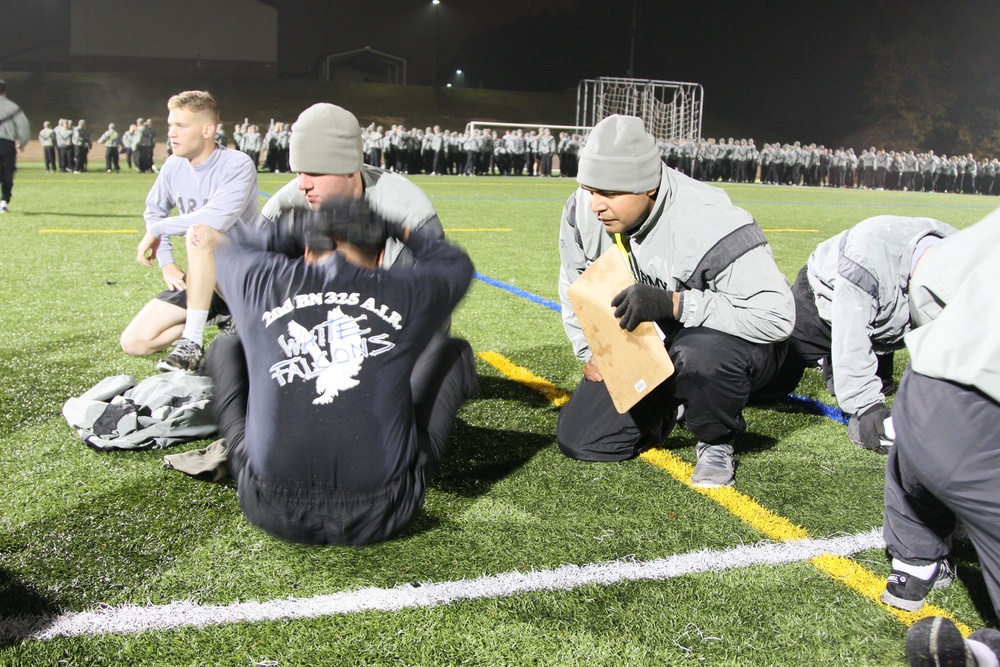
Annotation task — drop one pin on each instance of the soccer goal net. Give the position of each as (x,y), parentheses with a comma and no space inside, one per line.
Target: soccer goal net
(671,110)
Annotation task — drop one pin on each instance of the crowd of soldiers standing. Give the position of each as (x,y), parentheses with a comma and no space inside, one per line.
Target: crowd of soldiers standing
(475,152)
(739,161)
(530,152)
(66,147)
(273,144)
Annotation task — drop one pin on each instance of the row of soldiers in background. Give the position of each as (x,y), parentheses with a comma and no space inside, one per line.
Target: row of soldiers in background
(273,145)
(66,147)
(793,164)
(475,152)
(518,152)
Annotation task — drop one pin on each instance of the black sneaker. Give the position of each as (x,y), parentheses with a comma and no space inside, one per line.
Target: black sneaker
(907,592)
(187,356)
(936,642)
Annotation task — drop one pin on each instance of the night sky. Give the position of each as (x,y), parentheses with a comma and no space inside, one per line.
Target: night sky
(800,70)
(804,71)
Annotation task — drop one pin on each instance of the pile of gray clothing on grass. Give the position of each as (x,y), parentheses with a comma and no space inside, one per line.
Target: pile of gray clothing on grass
(163,410)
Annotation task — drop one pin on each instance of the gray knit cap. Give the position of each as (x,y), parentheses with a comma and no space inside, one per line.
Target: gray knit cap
(326,139)
(620,156)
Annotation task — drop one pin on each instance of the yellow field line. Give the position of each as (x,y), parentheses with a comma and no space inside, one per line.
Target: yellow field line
(483,229)
(88,231)
(554,394)
(870,586)
(744,507)
(748,510)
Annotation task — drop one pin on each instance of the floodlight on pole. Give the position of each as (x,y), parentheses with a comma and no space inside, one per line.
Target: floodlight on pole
(434,53)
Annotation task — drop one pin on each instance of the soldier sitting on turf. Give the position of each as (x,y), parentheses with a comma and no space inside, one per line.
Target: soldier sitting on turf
(704,273)
(325,438)
(208,185)
(326,154)
(852,311)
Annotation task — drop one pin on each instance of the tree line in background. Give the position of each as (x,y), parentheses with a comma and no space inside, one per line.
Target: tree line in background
(935,82)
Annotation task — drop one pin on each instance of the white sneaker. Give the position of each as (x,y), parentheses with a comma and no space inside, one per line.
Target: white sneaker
(3,206)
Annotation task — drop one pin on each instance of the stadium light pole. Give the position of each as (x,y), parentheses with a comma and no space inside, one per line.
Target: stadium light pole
(460,81)
(434,54)
(631,52)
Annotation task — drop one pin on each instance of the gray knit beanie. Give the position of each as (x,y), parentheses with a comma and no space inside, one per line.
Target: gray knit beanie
(326,139)
(620,156)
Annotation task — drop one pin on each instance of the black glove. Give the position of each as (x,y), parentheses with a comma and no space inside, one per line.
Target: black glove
(867,429)
(642,303)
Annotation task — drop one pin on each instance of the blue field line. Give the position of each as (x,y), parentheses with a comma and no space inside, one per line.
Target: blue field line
(263,194)
(517,291)
(811,404)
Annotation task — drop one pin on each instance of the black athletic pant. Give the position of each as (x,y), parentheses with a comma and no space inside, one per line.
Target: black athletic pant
(546,164)
(443,377)
(810,342)
(50,158)
(944,465)
(714,376)
(111,159)
(82,153)
(66,155)
(8,164)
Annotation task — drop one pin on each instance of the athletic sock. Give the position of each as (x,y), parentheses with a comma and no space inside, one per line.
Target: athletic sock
(985,657)
(924,572)
(194,326)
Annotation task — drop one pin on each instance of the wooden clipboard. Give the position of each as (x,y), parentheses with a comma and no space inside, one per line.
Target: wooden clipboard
(633,363)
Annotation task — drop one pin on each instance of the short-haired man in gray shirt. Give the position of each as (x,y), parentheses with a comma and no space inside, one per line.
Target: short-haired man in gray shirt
(209,185)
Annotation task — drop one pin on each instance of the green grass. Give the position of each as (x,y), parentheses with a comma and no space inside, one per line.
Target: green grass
(81,529)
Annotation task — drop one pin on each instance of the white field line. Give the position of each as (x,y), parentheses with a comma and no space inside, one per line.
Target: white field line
(134,618)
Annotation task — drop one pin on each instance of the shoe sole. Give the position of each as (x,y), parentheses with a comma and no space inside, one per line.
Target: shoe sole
(936,642)
(712,485)
(164,367)
(901,603)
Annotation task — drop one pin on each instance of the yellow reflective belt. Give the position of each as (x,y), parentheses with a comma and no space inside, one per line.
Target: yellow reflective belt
(624,247)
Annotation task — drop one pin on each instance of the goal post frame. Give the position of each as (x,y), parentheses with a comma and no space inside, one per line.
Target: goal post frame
(670,110)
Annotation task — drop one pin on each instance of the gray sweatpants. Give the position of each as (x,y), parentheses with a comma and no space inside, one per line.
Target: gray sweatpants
(945,464)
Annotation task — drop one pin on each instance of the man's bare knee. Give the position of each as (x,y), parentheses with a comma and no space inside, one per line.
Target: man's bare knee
(201,237)
(154,328)
(132,345)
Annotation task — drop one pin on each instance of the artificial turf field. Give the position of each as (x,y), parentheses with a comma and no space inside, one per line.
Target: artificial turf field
(521,556)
